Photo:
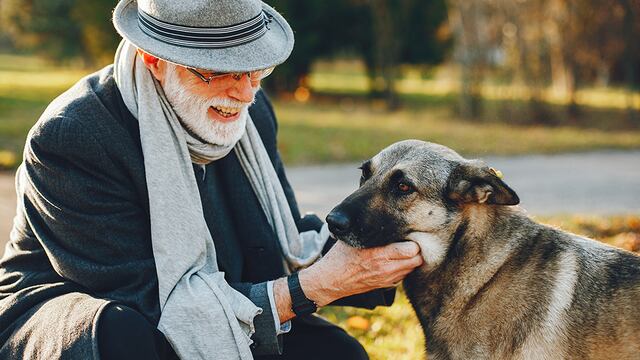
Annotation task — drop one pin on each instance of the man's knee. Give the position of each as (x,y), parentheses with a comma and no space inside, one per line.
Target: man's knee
(322,342)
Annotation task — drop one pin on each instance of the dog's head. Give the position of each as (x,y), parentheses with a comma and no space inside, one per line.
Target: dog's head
(415,190)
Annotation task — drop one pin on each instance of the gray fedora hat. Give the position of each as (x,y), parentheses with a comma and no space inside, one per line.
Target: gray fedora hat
(221,35)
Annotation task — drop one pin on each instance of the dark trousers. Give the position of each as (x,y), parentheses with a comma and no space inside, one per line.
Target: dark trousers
(124,334)
(317,339)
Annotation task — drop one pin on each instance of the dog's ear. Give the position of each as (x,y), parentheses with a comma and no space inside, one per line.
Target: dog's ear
(473,183)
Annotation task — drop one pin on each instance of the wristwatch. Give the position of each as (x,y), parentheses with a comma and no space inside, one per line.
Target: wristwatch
(300,304)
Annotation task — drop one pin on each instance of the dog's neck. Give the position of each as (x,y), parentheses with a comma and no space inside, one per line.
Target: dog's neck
(477,249)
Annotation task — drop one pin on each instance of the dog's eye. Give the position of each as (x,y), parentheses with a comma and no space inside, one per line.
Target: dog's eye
(403,187)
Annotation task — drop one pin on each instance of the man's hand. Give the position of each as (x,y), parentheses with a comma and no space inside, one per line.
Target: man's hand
(346,270)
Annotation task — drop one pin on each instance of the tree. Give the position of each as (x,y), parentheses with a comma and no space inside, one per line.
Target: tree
(631,57)
(469,21)
(42,25)
(322,28)
(62,29)
(383,33)
(565,44)
(403,32)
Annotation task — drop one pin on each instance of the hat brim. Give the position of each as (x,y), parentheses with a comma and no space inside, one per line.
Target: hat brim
(271,49)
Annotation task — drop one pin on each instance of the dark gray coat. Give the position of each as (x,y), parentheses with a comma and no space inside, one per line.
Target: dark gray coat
(82,235)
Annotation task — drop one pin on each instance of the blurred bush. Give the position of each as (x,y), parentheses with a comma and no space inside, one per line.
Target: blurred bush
(383,33)
(62,30)
(541,49)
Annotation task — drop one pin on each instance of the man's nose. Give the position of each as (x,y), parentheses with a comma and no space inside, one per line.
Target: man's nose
(242,90)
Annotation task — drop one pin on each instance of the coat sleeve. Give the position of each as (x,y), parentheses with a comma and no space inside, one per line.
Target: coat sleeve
(83,208)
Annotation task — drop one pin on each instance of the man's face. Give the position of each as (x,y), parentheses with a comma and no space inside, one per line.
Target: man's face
(216,112)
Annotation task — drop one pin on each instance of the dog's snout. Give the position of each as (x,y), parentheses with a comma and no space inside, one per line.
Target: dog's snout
(338,222)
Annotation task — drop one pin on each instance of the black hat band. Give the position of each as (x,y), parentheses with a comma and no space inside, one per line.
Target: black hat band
(204,37)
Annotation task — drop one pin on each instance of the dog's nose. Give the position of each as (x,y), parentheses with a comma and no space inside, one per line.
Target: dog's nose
(338,223)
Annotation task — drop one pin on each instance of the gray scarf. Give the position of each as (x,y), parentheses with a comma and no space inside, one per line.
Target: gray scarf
(201,315)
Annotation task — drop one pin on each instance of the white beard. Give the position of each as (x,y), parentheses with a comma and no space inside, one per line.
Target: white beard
(192,109)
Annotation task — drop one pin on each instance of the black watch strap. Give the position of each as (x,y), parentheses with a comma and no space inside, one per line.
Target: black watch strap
(300,304)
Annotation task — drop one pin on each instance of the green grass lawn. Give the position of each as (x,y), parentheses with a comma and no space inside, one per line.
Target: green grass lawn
(317,133)
(344,128)
(27,85)
(394,332)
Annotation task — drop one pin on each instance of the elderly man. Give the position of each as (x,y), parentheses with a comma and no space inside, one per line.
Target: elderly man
(155,220)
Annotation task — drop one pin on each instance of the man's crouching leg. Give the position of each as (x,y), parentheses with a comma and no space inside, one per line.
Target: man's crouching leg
(124,334)
(317,339)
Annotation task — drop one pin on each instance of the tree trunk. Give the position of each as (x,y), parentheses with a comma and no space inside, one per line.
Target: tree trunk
(385,52)
(630,58)
(573,75)
(465,19)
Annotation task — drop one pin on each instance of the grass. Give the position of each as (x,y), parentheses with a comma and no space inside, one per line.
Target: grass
(346,126)
(348,77)
(318,133)
(27,85)
(394,332)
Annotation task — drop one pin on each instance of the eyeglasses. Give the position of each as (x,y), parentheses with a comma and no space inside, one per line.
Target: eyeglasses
(255,75)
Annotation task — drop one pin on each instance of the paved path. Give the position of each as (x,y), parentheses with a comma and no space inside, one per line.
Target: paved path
(591,183)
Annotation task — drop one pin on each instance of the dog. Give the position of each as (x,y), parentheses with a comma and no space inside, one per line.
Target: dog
(494,284)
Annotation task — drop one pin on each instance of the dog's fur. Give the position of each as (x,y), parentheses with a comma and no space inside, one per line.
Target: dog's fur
(494,284)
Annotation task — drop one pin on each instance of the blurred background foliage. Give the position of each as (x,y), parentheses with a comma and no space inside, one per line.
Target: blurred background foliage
(521,76)
(556,46)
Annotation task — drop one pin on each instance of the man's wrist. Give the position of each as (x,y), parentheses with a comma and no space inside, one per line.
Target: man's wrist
(315,286)
(300,303)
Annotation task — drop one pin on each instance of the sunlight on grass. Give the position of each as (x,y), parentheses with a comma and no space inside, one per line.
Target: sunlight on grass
(317,133)
(394,332)
(36,81)
(355,82)
(386,332)
(27,85)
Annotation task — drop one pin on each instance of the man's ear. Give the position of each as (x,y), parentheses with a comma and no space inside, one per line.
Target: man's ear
(474,183)
(155,65)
